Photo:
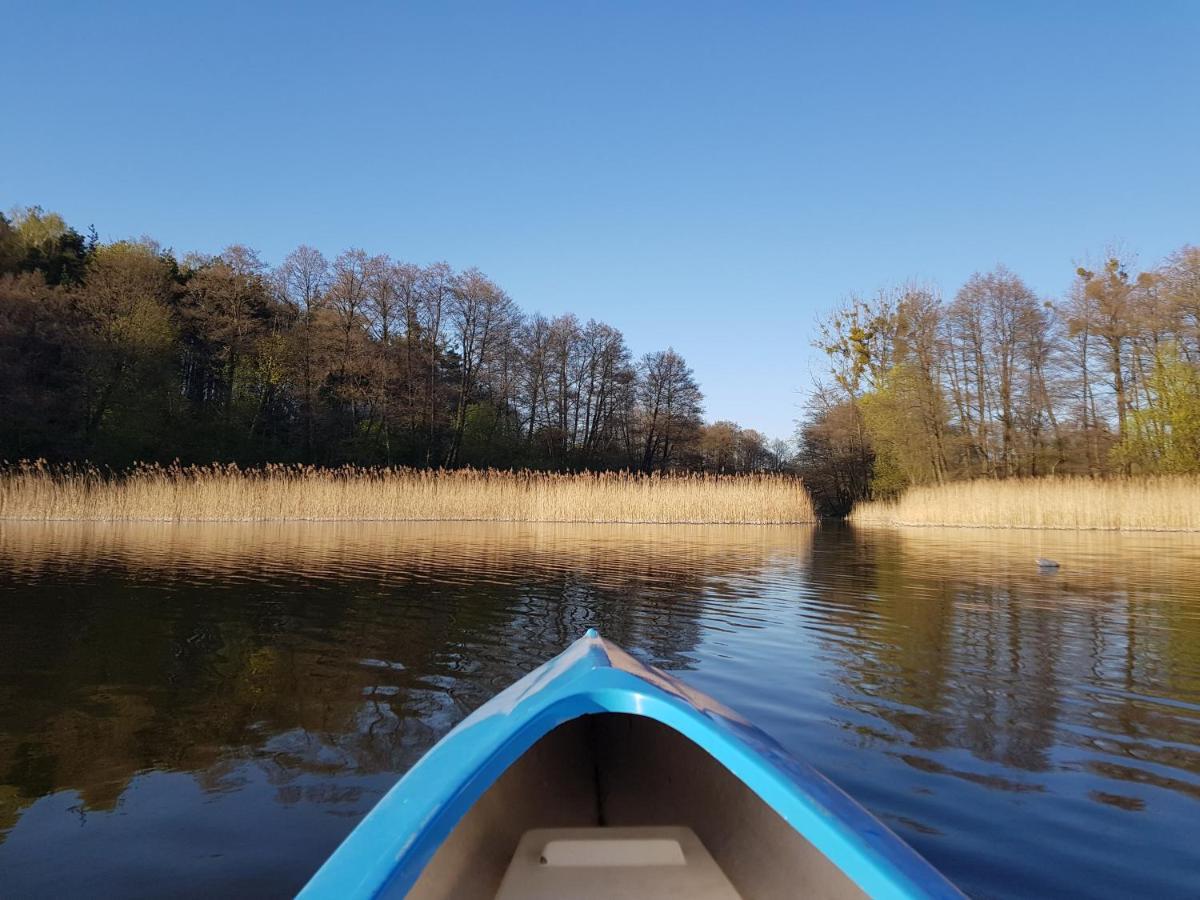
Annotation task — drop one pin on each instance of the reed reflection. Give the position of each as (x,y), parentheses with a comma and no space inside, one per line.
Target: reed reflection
(270,681)
(319,649)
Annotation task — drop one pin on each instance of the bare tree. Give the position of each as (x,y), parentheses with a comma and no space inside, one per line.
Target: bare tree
(482,317)
(300,282)
(670,406)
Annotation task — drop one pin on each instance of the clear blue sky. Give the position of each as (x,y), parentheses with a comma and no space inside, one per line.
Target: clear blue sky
(709,176)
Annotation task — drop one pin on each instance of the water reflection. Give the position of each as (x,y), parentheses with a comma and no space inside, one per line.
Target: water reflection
(319,649)
(1011,663)
(230,699)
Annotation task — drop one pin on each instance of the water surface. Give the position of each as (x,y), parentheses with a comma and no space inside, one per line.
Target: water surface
(209,709)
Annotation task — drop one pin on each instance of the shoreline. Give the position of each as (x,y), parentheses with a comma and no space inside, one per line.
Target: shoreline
(1057,528)
(98,520)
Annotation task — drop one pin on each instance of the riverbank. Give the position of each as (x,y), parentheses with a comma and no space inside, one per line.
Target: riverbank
(1164,503)
(305,493)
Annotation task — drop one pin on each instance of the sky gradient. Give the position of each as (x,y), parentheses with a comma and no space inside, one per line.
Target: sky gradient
(706,176)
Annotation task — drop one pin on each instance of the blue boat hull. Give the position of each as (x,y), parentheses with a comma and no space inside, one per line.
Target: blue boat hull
(596,681)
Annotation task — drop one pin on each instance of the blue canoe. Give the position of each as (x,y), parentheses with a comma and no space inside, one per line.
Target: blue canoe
(598,776)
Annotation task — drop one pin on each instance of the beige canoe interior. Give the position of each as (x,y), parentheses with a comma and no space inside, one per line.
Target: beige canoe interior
(616,771)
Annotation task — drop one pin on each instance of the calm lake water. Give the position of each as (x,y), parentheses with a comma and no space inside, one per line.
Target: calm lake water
(209,709)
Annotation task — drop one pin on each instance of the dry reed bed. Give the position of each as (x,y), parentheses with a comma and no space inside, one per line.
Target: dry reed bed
(279,493)
(1164,503)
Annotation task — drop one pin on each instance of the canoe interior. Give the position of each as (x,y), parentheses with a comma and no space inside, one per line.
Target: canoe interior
(615,770)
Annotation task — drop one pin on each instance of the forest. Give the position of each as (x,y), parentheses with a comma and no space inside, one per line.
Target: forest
(123,352)
(997,383)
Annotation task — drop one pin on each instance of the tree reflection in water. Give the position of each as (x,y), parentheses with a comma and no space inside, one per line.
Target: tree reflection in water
(220,703)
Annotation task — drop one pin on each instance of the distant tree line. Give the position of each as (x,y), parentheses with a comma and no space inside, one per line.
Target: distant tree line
(121,352)
(998,382)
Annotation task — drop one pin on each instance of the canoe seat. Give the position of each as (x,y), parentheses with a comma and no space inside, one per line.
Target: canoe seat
(613,864)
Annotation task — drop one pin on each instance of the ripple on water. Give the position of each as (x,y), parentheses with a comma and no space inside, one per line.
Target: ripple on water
(1031,733)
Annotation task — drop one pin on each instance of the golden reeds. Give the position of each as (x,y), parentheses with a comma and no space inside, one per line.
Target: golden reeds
(1165,503)
(35,491)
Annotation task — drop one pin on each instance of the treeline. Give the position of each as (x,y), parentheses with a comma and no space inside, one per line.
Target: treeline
(122,352)
(997,382)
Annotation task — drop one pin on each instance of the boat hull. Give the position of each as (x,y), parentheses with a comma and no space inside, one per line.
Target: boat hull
(638,747)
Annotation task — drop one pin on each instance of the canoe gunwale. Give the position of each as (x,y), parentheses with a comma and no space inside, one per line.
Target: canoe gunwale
(396,840)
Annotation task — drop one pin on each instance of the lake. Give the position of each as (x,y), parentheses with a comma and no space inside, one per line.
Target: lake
(208,709)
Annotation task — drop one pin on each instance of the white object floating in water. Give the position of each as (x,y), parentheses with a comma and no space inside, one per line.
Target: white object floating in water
(1046,563)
